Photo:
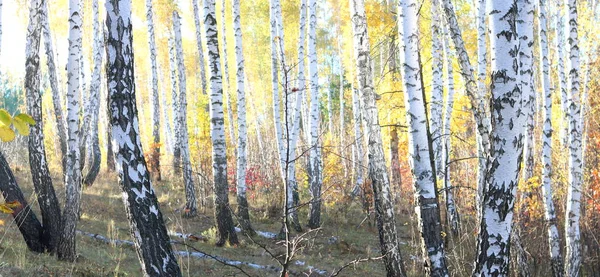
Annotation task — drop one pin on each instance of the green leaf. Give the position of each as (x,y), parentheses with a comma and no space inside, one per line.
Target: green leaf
(6,133)
(5,118)
(21,126)
(26,118)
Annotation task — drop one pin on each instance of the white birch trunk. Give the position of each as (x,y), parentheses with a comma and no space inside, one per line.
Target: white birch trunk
(57,102)
(451,211)
(175,106)
(428,209)
(437,91)
(66,247)
(386,223)
(573,211)
(547,194)
(526,14)
(94,105)
(224,220)
(358,139)
(147,228)
(242,127)
(482,91)
(275,38)
(167,131)
(506,152)
(314,159)
(199,45)
(155,114)
(226,76)
(561,42)
(191,205)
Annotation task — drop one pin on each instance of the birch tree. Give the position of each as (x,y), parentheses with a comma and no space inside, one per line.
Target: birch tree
(94,151)
(524,23)
(175,106)
(242,201)
(575,179)
(451,211)
(314,164)
(66,246)
(199,45)
(141,204)
(481,93)
(40,174)
(191,205)
(224,220)
(386,223)
(423,174)
(155,154)
(358,138)
(562,75)
(57,102)
(227,91)
(549,210)
(437,90)
(506,151)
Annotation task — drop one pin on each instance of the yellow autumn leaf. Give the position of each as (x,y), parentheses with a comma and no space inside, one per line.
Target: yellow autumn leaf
(5,118)
(13,204)
(25,118)
(5,209)
(6,133)
(21,126)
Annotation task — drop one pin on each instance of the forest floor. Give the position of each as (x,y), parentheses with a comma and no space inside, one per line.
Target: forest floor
(341,240)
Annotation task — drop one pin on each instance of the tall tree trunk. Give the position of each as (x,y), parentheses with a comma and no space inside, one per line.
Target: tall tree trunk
(562,75)
(141,204)
(481,93)
(437,91)
(155,154)
(276,41)
(227,92)
(423,173)
(526,15)
(242,200)
(314,163)
(451,212)
(175,104)
(386,223)
(56,95)
(223,216)
(199,45)
(25,218)
(94,154)
(549,210)
(573,210)
(40,174)
(479,101)
(168,131)
(395,162)
(506,152)
(358,139)
(342,115)
(191,206)
(66,247)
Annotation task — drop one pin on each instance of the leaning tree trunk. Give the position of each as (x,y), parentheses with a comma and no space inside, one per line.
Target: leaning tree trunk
(40,174)
(155,149)
(242,200)
(506,152)
(57,102)
(66,246)
(199,46)
(479,103)
(549,210)
(141,204)
(384,209)
(573,211)
(423,174)
(314,158)
(95,155)
(562,75)
(190,192)
(451,212)
(224,220)
(25,218)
